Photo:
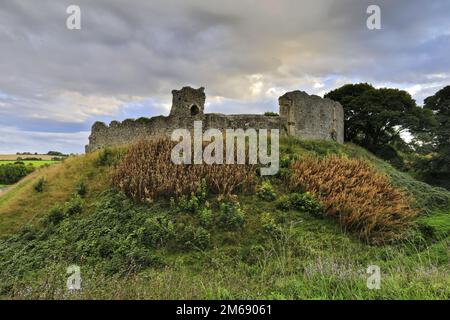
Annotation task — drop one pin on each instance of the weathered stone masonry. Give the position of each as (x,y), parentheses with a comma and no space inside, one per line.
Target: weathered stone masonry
(301,115)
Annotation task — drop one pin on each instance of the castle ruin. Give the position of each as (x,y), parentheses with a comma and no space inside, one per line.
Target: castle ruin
(301,115)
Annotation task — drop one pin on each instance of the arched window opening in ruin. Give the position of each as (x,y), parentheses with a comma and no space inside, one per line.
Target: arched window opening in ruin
(194,110)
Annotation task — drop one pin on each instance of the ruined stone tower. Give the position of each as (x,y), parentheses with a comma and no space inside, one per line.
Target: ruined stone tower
(188,102)
(312,117)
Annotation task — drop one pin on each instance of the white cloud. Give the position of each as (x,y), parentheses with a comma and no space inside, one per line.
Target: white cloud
(14,140)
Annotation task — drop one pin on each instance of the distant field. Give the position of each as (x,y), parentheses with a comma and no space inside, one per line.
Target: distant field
(35,163)
(13,157)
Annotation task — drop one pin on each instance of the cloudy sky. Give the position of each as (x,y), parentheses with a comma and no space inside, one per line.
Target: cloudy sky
(129,55)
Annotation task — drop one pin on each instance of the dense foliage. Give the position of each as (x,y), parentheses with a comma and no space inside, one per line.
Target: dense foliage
(437,169)
(375,118)
(304,202)
(11,173)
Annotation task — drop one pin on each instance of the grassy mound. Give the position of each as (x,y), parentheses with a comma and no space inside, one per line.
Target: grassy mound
(21,205)
(270,243)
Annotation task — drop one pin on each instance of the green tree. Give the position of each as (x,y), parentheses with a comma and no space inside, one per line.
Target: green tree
(439,166)
(55,153)
(375,118)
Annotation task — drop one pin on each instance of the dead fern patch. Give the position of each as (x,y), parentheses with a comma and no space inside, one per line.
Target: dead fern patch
(361,200)
(147,173)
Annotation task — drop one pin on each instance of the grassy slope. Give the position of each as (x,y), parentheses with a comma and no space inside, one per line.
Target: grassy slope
(21,205)
(312,258)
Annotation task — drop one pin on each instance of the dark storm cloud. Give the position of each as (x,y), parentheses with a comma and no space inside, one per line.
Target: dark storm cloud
(245,52)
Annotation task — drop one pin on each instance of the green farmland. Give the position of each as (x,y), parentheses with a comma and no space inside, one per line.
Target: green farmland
(35,163)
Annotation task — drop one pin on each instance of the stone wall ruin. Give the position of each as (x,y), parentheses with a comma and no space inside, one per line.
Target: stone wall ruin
(301,115)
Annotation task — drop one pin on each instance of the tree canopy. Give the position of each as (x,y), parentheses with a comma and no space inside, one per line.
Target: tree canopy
(439,104)
(376,117)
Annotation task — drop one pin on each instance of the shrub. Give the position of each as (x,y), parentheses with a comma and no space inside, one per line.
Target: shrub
(266,192)
(54,216)
(29,233)
(81,189)
(131,261)
(271,114)
(231,215)
(12,173)
(191,204)
(304,202)
(105,157)
(269,225)
(73,206)
(39,185)
(285,161)
(194,238)
(109,157)
(284,203)
(205,217)
(360,199)
(147,173)
(158,230)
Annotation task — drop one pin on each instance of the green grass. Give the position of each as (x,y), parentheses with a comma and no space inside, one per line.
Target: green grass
(156,251)
(436,225)
(309,259)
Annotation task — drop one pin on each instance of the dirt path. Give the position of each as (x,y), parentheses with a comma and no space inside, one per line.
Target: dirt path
(2,190)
